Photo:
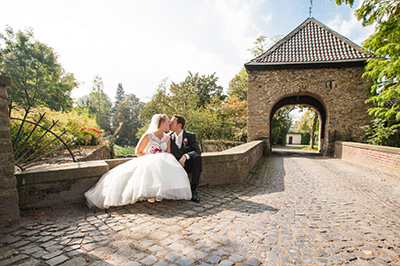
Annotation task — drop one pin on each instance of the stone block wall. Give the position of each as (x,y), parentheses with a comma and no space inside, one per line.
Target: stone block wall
(341,91)
(9,210)
(66,183)
(386,158)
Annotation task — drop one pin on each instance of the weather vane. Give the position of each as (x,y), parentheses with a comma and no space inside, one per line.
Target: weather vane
(310,9)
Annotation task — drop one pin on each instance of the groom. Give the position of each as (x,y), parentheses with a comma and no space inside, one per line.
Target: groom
(187,151)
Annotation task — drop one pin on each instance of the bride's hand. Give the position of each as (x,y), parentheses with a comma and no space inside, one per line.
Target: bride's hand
(182,161)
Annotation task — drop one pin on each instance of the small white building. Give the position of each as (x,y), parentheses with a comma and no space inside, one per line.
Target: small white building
(293,138)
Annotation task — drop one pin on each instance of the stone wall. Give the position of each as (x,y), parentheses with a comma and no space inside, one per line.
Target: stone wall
(65,184)
(339,90)
(218,145)
(386,158)
(9,211)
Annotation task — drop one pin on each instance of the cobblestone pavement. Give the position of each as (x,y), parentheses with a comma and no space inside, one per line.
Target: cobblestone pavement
(292,209)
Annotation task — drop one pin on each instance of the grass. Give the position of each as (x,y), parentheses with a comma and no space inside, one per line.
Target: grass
(304,148)
(123,151)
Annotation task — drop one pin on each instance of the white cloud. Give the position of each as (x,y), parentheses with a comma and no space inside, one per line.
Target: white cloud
(351,27)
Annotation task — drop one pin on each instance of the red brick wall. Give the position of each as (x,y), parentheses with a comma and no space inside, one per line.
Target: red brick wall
(386,158)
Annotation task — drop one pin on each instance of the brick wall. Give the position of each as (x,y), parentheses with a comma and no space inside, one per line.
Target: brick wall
(9,210)
(386,158)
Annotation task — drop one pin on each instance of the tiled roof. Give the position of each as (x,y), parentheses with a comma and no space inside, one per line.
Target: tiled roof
(311,43)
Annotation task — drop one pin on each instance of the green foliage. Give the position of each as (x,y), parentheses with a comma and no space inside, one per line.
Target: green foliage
(80,128)
(100,104)
(204,87)
(128,112)
(119,96)
(124,151)
(232,116)
(260,46)
(305,138)
(38,79)
(385,71)
(238,86)
(210,115)
(380,132)
(281,122)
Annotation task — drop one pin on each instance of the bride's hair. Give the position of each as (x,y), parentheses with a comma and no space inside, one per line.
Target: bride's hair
(163,118)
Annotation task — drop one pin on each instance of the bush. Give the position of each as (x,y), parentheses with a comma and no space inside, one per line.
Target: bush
(80,128)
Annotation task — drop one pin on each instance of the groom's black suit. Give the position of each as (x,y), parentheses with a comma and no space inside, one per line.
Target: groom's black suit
(191,147)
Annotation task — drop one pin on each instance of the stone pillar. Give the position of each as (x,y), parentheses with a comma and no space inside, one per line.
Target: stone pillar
(9,209)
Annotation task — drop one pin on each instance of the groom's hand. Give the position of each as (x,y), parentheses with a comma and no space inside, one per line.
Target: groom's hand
(182,160)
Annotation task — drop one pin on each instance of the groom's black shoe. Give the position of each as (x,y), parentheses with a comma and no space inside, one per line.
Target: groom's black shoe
(195,198)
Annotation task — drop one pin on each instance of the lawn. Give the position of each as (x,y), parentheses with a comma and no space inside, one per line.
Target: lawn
(124,151)
(305,148)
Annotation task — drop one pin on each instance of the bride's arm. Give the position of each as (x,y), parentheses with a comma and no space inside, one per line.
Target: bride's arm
(169,145)
(141,145)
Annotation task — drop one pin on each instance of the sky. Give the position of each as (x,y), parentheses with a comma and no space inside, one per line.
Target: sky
(141,43)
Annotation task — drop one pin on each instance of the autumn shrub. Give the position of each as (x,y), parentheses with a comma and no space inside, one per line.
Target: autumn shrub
(73,128)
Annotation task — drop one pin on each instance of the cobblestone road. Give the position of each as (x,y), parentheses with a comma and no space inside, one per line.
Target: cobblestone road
(293,209)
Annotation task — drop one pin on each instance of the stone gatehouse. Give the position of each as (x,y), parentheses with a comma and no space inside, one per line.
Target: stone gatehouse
(316,67)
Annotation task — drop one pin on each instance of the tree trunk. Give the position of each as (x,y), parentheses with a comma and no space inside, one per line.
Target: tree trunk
(312,135)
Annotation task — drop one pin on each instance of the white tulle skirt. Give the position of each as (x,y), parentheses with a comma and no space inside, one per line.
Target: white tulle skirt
(153,175)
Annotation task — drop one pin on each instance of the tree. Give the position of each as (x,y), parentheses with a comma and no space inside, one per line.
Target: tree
(128,113)
(260,46)
(308,124)
(205,86)
(280,125)
(119,96)
(384,72)
(38,79)
(238,86)
(100,104)
(232,112)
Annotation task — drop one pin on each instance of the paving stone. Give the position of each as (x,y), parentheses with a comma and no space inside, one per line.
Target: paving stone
(214,259)
(57,260)
(253,261)
(10,239)
(320,252)
(172,256)
(272,256)
(51,255)
(226,263)
(293,251)
(150,260)
(236,257)
(14,259)
(270,241)
(198,255)
(185,261)
(75,262)
(40,253)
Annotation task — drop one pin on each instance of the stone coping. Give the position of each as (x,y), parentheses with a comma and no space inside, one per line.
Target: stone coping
(388,149)
(231,154)
(62,172)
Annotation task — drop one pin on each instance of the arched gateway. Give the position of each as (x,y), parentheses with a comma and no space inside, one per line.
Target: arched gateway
(313,66)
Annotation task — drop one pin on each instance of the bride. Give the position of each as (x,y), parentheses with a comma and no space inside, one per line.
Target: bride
(154,175)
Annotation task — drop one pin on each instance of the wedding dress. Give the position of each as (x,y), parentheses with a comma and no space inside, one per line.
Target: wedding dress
(156,174)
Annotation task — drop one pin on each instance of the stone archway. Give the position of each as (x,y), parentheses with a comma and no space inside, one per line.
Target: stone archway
(313,65)
(306,100)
